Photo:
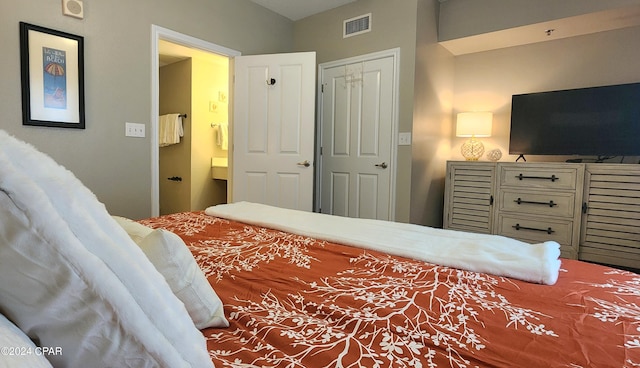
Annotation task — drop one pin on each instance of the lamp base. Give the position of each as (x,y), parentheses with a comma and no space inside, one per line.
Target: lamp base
(472,149)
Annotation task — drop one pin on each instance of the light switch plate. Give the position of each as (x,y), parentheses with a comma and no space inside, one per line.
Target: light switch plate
(134,130)
(404,139)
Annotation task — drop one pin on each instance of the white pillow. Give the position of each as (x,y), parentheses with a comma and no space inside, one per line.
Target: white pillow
(19,351)
(71,277)
(136,230)
(170,255)
(61,295)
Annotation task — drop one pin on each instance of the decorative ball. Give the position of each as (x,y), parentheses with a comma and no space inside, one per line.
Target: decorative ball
(494,155)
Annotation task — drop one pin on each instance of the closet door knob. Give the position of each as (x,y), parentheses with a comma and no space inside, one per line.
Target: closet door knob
(304,163)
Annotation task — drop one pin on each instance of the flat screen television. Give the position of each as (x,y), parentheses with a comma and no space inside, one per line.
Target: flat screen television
(596,121)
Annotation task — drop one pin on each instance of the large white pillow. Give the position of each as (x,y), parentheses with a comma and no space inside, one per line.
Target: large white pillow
(175,262)
(171,257)
(61,295)
(71,277)
(19,351)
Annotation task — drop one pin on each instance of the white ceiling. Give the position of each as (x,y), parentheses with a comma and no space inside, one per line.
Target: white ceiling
(298,9)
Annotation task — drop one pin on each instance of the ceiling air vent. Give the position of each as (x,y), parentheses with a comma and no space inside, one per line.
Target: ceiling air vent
(357,25)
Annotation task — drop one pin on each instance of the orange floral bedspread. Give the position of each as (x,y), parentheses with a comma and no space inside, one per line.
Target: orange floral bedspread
(293,301)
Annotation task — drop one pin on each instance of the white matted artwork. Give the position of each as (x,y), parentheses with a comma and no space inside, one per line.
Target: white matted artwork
(52,77)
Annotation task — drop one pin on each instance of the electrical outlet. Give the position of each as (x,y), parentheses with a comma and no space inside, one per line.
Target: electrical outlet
(134,130)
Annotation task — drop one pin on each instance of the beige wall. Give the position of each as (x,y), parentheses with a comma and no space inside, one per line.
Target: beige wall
(485,81)
(118,80)
(426,84)
(393,25)
(431,119)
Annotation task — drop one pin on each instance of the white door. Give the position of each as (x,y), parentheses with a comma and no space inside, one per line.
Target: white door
(273,130)
(357,138)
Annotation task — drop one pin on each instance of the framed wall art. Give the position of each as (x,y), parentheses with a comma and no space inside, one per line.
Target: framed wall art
(52,66)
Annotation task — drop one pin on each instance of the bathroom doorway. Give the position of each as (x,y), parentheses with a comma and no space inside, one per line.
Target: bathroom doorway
(191,77)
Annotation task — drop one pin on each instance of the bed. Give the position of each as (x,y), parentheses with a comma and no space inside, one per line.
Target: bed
(295,301)
(248,285)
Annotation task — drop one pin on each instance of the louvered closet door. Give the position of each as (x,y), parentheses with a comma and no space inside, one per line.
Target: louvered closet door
(469,196)
(610,231)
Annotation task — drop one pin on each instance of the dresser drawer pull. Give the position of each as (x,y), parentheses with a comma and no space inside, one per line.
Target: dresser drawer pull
(553,178)
(550,203)
(547,230)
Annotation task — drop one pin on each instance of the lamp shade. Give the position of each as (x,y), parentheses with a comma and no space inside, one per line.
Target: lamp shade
(474,124)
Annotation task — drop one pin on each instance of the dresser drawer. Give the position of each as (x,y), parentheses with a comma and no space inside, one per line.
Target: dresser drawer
(559,204)
(535,230)
(529,176)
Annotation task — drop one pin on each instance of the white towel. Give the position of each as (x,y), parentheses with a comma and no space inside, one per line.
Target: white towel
(170,129)
(491,254)
(222,138)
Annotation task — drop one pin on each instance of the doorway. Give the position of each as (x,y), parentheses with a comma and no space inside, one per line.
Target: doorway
(187,44)
(358,101)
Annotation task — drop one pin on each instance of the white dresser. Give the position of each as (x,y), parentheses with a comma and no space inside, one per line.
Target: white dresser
(610,229)
(538,202)
(591,210)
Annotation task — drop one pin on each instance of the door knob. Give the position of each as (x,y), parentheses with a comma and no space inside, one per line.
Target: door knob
(382,165)
(304,163)
(175,178)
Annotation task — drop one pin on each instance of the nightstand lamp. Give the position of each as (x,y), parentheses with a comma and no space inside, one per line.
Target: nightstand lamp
(473,124)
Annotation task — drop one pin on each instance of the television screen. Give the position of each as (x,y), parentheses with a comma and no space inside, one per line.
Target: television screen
(597,121)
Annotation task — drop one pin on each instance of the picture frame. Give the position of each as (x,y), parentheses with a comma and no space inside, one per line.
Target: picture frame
(52,74)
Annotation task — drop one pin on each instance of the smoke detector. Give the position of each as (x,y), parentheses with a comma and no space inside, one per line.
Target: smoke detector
(73,8)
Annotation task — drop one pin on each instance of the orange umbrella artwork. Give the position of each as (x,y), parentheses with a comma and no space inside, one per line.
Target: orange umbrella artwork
(54,69)
(56,98)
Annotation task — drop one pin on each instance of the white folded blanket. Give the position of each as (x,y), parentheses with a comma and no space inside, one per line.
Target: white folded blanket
(490,254)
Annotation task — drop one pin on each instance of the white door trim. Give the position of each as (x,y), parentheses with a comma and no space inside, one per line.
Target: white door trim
(159,33)
(395,54)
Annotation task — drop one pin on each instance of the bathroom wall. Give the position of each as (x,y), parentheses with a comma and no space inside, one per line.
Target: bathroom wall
(175,160)
(210,91)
